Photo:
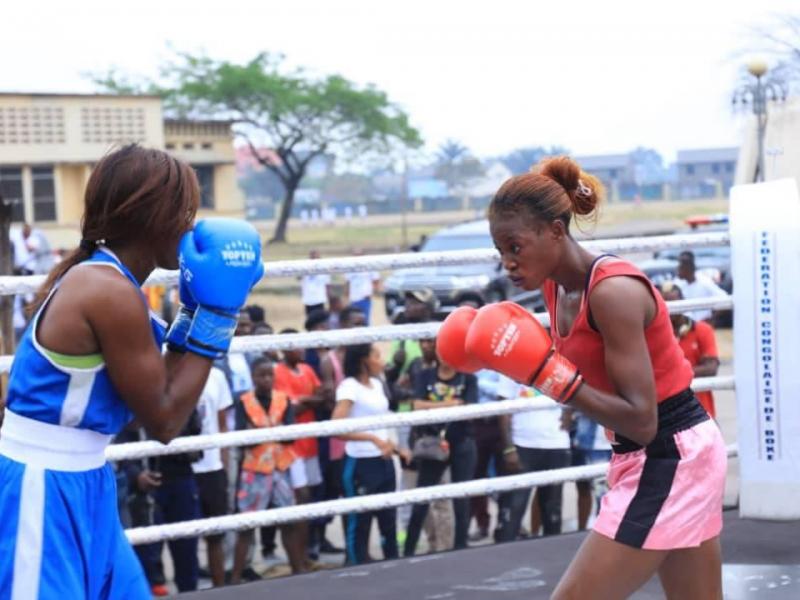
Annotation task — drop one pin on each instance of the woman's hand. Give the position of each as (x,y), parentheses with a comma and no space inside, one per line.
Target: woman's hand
(511,461)
(405,455)
(386,447)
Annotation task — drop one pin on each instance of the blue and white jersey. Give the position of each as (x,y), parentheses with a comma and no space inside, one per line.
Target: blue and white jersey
(70,393)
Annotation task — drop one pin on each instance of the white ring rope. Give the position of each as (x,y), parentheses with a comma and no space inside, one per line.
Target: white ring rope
(363,335)
(293,268)
(359,504)
(248,437)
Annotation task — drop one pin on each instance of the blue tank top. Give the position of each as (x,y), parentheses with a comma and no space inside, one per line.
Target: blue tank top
(41,389)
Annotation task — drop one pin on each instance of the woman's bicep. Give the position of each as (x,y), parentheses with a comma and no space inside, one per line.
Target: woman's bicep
(342,409)
(133,360)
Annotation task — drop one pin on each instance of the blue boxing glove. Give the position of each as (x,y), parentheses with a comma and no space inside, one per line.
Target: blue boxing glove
(179,330)
(220,262)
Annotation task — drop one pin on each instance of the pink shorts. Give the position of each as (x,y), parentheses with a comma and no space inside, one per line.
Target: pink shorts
(668,495)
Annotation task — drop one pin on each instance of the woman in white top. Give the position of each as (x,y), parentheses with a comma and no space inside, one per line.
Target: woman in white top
(368,468)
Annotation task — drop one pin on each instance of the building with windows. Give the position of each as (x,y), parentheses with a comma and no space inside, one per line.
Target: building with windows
(614,170)
(707,172)
(49,143)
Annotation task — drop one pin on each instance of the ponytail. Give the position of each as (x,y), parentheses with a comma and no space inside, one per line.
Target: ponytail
(556,189)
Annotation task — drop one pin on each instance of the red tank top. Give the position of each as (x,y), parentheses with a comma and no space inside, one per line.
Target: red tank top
(584,345)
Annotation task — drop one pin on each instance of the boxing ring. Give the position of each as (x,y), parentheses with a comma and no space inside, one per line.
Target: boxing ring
(761,557)
(529,570)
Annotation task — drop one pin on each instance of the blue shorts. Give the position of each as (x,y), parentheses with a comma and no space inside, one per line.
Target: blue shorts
(60,531)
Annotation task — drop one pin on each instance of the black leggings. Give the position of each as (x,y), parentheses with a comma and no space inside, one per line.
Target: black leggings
(463,457)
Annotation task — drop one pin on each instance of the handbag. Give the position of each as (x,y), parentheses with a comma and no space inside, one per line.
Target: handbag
(431,447)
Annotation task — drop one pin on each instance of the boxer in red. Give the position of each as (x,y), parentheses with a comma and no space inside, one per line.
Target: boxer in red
(611,354)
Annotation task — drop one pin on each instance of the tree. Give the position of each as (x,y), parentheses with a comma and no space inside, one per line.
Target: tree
(297,116)
(452,151)
(781,38)
(521,160)
(454,163)
(347,187)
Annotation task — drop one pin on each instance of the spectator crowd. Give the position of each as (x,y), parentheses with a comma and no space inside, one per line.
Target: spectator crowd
(268,389)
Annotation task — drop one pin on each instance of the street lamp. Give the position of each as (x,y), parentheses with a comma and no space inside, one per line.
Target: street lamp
(766,88)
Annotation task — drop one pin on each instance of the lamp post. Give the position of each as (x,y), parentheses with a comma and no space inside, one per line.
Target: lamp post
(765,89)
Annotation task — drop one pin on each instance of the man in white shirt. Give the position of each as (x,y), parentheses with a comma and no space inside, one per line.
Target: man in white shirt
(32,254)
(360,287)
(696,286)
(210,471)
(314,288)
(534,441)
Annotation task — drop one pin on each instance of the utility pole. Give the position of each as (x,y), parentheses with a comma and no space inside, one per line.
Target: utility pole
(758,95)
(6,302)
(404,205)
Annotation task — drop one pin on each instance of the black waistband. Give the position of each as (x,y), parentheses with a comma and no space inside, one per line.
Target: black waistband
(677,413)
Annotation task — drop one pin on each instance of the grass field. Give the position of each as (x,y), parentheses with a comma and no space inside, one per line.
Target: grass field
(384,233)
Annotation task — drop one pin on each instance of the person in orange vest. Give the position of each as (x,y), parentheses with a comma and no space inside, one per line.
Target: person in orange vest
(269,471)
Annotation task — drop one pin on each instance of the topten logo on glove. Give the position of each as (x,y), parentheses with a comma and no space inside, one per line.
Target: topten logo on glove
(504,339)
(238,254)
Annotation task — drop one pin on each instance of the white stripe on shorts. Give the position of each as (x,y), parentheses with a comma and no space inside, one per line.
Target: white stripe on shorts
(30,532)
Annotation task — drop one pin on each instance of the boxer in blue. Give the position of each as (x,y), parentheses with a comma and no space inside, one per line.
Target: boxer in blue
(91,360)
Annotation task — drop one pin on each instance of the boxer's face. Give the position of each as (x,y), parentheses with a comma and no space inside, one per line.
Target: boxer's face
(529,249)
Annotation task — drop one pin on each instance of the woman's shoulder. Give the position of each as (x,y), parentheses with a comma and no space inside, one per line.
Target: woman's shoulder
(376,384)
(94,289)
(347,385)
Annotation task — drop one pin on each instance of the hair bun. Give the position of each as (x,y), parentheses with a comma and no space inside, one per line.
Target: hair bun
(584,190)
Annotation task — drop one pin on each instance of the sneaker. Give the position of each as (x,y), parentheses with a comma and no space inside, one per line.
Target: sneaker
(249,574)
(479,536)
(328,548)
(159,590)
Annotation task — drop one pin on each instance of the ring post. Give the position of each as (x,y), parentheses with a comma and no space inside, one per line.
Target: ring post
(765,252)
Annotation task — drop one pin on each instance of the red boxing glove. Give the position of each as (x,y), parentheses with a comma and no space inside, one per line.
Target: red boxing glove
(451,337)
(508,339)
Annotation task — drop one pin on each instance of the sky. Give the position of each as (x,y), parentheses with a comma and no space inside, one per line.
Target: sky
(594,76)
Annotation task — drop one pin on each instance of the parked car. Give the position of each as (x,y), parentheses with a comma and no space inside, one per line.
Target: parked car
(451,283)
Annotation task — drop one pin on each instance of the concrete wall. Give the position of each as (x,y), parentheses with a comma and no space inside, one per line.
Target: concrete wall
(45,129)
(72,132)
(228,197)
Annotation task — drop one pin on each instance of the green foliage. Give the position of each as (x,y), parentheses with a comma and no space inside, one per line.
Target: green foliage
(297,115)
(289,110)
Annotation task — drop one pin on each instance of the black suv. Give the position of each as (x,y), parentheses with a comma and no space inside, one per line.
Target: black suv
(451,283)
